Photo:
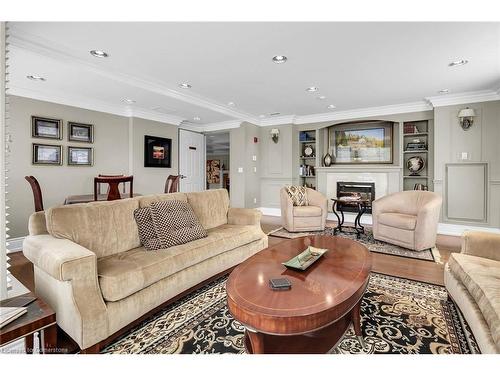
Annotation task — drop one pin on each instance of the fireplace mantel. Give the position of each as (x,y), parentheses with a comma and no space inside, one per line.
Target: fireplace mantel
(387,178)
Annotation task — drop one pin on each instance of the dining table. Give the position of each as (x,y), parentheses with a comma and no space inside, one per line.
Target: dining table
(85,198)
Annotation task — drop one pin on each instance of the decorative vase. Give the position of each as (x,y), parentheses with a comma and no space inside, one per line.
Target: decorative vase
(327,160)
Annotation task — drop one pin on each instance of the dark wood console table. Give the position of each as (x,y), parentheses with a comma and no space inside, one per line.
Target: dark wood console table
(339,204)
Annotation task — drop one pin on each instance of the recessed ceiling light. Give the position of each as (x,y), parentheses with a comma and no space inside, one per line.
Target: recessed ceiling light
(274,114)
(129,101)
(35,78)
(312,89)
(185,85)
(331,106)
(196,118)
(98,53)
(444,91)
(231,104)
(321,97)
(279,59)
(458,63)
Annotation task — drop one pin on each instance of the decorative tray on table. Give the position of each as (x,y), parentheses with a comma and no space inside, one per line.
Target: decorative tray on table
(305,259)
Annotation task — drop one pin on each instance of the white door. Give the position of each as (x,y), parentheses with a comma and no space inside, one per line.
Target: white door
(191,161)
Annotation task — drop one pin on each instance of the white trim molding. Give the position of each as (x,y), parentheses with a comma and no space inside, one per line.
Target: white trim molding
(464,98)
(15,244)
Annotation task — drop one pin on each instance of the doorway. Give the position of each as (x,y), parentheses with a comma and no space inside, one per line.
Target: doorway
(191,161)
(218,163)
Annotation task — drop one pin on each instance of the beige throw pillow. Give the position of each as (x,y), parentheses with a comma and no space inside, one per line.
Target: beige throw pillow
(298,195)
(175,223)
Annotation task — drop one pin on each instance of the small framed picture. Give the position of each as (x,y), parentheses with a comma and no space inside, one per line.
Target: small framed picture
(46,154)
(42,127)
(80,132)
(83,156)
(157,152)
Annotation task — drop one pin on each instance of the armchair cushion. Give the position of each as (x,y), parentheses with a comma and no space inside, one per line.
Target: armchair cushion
(481,278)
(398,220)
(298,195)
(307,211)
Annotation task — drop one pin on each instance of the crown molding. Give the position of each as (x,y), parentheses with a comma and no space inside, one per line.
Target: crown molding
(93,105)
(276,120)
(43,47)
(464,98)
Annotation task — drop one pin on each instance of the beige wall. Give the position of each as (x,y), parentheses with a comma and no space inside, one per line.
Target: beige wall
(112,155)
(481,143)
(151,180)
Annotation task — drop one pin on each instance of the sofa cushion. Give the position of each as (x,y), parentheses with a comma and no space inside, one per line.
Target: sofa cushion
(481,278)
(175,223)
(147,200)
(121,275)
(307,211)
(210,207)
(395,220)
(104,228)
(147,233)
(298,195)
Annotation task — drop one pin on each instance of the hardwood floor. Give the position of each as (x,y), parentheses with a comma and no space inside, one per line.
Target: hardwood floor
(420,270)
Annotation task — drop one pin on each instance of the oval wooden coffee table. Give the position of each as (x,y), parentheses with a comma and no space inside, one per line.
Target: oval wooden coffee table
(313,315)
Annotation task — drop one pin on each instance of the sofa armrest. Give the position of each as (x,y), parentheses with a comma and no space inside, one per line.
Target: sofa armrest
(481,244)
(66,278)
(37,224)
(243,216)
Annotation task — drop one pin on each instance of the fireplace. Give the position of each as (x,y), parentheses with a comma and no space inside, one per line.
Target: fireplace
(365,190)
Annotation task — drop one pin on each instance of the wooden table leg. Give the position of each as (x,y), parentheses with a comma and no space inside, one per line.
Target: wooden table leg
(49,341)
(356,321)
(29,342)
(256,341)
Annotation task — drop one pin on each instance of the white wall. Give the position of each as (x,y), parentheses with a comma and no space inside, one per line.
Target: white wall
(112,155)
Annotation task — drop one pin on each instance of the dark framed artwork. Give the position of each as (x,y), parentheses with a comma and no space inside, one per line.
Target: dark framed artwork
(46,154)
(157,152)
(42,127)
(362,143)
(80,156)
(80,132)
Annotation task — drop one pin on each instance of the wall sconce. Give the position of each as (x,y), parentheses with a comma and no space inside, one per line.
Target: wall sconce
(466,117)
(275,134)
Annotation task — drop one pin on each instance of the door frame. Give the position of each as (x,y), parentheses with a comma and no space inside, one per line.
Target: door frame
(204,153)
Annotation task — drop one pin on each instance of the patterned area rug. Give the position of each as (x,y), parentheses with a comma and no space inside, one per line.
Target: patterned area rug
(367,239)
(399,316)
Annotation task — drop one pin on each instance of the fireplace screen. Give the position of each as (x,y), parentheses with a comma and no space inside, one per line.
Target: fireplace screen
(365,190)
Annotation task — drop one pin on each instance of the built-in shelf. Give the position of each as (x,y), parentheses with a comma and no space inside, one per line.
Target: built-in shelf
(415,151)
(416,177)
(308,157)
(310,141)
(415,134)
(308,176)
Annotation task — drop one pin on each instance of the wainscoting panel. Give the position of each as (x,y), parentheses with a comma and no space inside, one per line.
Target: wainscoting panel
(467,192)
(270,191)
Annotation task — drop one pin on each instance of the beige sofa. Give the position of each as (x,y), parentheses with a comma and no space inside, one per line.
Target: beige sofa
(304,218)
(472,279)
(408,219)
(91,269)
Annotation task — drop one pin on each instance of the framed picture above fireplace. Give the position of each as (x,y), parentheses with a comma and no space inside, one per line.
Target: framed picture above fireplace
(362,143)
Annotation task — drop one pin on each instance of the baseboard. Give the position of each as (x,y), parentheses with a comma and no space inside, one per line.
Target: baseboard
(15,244)
(443,228)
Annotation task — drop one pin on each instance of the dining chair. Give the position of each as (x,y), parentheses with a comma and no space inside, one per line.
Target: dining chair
(110,175)
(172,184)
(113,182)
(37,192)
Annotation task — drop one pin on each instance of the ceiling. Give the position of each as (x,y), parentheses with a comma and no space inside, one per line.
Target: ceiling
(218,143)
(354,65)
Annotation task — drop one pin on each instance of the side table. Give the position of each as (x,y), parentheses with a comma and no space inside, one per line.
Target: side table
(338,206)
(39,318)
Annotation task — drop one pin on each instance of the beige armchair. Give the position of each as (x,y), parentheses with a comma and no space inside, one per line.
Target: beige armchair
(304,218)
(408,219)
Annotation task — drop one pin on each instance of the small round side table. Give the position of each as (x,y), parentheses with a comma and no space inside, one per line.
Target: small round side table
(338,206)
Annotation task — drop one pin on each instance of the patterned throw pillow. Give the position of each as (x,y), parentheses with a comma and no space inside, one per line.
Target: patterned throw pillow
(298,195)
(175,223)
(147,233)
